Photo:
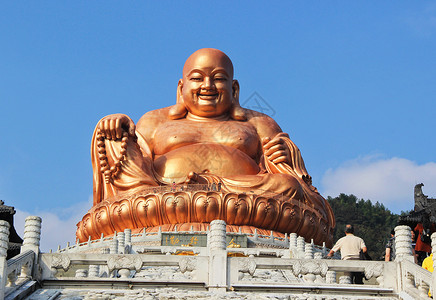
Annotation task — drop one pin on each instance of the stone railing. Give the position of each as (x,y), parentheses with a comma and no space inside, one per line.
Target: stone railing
(19,270)
(413,281)
(135,242)
(122,264)
(18,273)
(214,268)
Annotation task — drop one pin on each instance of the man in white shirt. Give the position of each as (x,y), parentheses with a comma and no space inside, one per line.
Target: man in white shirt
(350,247)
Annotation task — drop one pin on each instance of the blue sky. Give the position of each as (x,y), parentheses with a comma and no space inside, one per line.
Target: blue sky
(352,82)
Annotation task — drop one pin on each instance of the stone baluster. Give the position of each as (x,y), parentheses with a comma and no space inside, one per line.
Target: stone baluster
(423,289)
(331,277)
(345,279)
(26,272)
(409,281)
(433,275)
(121,242)
(81,273)
(293,240)
(32,234)
(113,247)
(317,255)
(217,246)
(300,246)
(4,241)
(403,244)
(31,239)
(292,245)
(308,251)
(93,271)
(128,239)
(12,279)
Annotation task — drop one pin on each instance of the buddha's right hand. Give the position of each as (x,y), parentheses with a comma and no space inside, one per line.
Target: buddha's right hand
(113,126)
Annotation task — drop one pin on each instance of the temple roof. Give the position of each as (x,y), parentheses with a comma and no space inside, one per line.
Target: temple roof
(15,241)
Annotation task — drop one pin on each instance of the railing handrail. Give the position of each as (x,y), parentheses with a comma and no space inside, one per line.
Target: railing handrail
(29,254)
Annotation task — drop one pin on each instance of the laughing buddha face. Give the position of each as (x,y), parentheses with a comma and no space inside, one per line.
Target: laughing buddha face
(207,88)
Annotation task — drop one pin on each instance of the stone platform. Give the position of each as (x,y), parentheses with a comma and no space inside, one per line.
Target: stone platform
(125,267)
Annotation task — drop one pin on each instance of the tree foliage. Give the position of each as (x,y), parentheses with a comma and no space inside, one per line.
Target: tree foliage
(372,222)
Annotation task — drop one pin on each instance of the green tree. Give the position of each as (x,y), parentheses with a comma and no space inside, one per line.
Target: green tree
(372,222)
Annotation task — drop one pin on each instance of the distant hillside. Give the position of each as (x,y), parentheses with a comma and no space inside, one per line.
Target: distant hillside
(372,222)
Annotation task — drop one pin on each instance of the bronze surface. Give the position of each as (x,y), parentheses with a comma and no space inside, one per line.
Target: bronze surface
(250,173)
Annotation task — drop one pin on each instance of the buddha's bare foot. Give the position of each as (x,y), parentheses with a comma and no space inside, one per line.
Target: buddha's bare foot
(195,178)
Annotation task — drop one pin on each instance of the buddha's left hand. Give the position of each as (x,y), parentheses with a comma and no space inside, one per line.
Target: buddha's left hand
(276,150)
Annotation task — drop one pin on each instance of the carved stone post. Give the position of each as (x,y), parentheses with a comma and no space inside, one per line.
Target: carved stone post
(32,234)
(300,246)
(217,240)
(121,244)
(128,240)
(32,237)
(403,243)
(217,245)
(113,247)
(308,251)
(293,240)
(4,241)
(292,245)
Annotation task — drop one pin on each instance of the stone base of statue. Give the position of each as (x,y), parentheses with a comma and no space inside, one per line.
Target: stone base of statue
(193,207)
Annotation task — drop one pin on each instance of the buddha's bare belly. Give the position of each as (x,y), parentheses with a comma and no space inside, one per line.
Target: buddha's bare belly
(205,157)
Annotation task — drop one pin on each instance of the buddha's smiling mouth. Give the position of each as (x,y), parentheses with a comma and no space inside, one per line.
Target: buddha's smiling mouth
(209,97)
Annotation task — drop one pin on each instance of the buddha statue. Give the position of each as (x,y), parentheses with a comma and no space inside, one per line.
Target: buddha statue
(202,159)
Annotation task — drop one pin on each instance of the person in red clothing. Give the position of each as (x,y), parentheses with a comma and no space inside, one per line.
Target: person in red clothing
(423,244)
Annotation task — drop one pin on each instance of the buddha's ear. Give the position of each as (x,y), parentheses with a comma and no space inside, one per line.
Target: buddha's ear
(179,110)
(179,91)
(237,112)
(235,91)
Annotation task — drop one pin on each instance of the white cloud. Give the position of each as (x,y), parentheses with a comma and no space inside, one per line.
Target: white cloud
(58,224)
(388,181)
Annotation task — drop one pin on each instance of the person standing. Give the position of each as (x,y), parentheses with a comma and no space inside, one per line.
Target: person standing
(423,240)
(390,247)
(350,247)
